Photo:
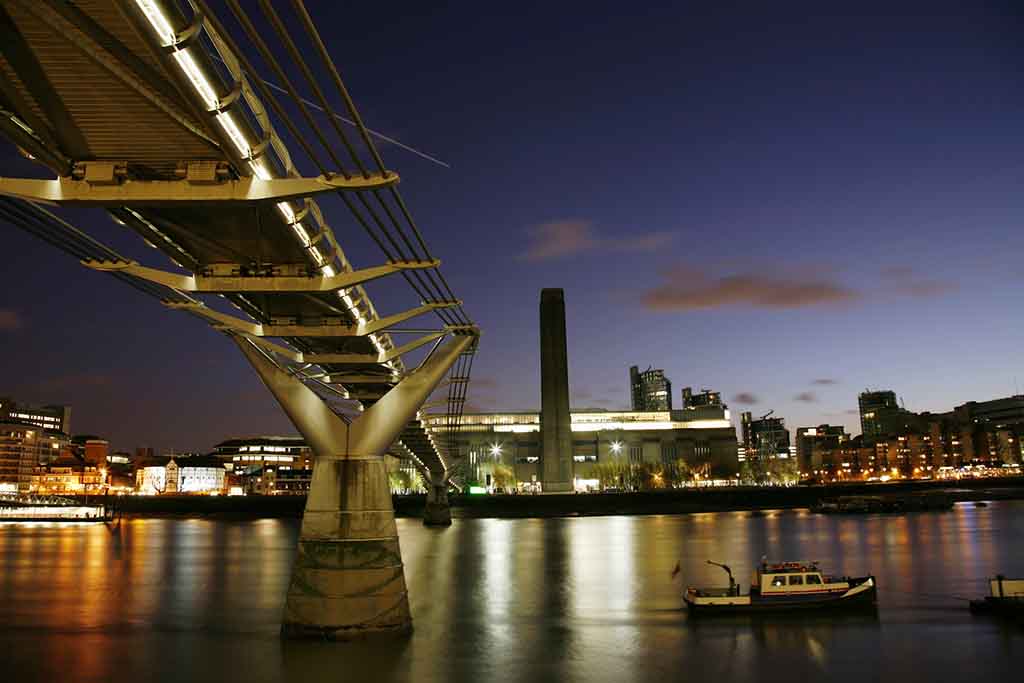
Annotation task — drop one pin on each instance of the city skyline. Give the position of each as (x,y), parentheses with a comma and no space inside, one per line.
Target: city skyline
(787,216)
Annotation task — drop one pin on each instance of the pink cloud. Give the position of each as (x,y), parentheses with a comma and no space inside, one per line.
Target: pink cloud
(567,237)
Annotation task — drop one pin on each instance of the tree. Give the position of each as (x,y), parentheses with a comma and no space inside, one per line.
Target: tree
(502,476)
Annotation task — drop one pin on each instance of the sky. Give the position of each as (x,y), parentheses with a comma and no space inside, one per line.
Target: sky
(771,200)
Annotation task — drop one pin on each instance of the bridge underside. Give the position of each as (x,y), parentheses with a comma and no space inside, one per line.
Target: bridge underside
(153,111)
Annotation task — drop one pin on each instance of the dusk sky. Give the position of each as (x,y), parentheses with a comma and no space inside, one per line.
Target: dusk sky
(782,205)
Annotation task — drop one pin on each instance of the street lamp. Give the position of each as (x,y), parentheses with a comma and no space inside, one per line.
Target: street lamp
(495,450)
(616,447)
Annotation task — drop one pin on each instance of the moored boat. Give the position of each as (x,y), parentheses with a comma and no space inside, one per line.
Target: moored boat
(785,586)
(1006,596)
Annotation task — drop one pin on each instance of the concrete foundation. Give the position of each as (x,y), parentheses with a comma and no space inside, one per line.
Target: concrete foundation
(348,580)
(437,512)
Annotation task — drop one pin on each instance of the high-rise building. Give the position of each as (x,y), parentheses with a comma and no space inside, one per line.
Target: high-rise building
(556,463)
(650,390)
(52,418)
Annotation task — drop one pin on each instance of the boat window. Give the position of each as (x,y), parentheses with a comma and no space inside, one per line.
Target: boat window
(797,580)
(813,578)
(779,581)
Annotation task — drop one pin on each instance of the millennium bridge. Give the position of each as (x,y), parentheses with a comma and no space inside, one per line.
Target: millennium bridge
(179,119)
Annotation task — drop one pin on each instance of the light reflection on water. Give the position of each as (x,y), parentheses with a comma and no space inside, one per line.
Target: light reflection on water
(556,599)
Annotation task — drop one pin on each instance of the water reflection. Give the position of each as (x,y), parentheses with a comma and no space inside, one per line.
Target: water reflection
(559,599)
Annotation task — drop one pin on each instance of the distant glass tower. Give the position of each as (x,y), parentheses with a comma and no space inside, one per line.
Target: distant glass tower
(556,463)
(650,389)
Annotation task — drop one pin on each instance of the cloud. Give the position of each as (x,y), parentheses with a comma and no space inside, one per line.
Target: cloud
(483,383)
(557,239)
(825,381)
(806,397)
(852,411)
(685,289)
(903,281)
(745,398)
(10,320)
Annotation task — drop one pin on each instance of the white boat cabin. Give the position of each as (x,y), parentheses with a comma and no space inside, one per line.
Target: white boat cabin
(1003,587)
(794,577)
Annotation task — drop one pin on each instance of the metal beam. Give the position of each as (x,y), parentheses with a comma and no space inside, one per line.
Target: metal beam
(71,192)
(360,379)
(251,329)
(367,358)
(277,283)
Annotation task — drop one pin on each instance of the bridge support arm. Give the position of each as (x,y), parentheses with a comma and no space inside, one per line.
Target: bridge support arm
(348,579)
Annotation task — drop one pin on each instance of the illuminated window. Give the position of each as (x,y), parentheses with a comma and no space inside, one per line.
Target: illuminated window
(779,581)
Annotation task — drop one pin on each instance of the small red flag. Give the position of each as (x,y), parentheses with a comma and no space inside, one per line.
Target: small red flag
(675,570)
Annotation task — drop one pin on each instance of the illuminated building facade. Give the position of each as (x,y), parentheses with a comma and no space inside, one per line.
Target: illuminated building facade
(197,474)
(52,418)
(23,446)
(649,390)
(268,465)
(824,452)
(512,440)
(69,475)
(261,451)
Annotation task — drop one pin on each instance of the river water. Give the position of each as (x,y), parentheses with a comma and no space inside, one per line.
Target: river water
(527,599)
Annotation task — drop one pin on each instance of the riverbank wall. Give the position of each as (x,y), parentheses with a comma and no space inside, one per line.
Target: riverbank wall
(675,501)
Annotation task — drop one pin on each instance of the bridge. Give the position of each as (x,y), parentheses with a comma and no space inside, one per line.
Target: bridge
(179,121)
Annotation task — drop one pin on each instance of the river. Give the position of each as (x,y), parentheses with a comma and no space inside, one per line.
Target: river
(587,599)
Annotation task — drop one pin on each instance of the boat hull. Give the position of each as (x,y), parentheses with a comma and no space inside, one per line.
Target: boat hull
(862,595)
(999,606)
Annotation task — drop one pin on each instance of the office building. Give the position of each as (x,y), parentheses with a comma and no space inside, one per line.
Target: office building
(260,451)
(51,418)
(555,470)
(649,390)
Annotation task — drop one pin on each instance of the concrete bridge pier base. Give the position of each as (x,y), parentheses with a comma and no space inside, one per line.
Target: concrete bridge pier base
(437,511)
(348,580)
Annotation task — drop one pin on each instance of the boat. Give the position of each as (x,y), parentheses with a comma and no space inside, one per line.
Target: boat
(1006,597)
(785,586)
